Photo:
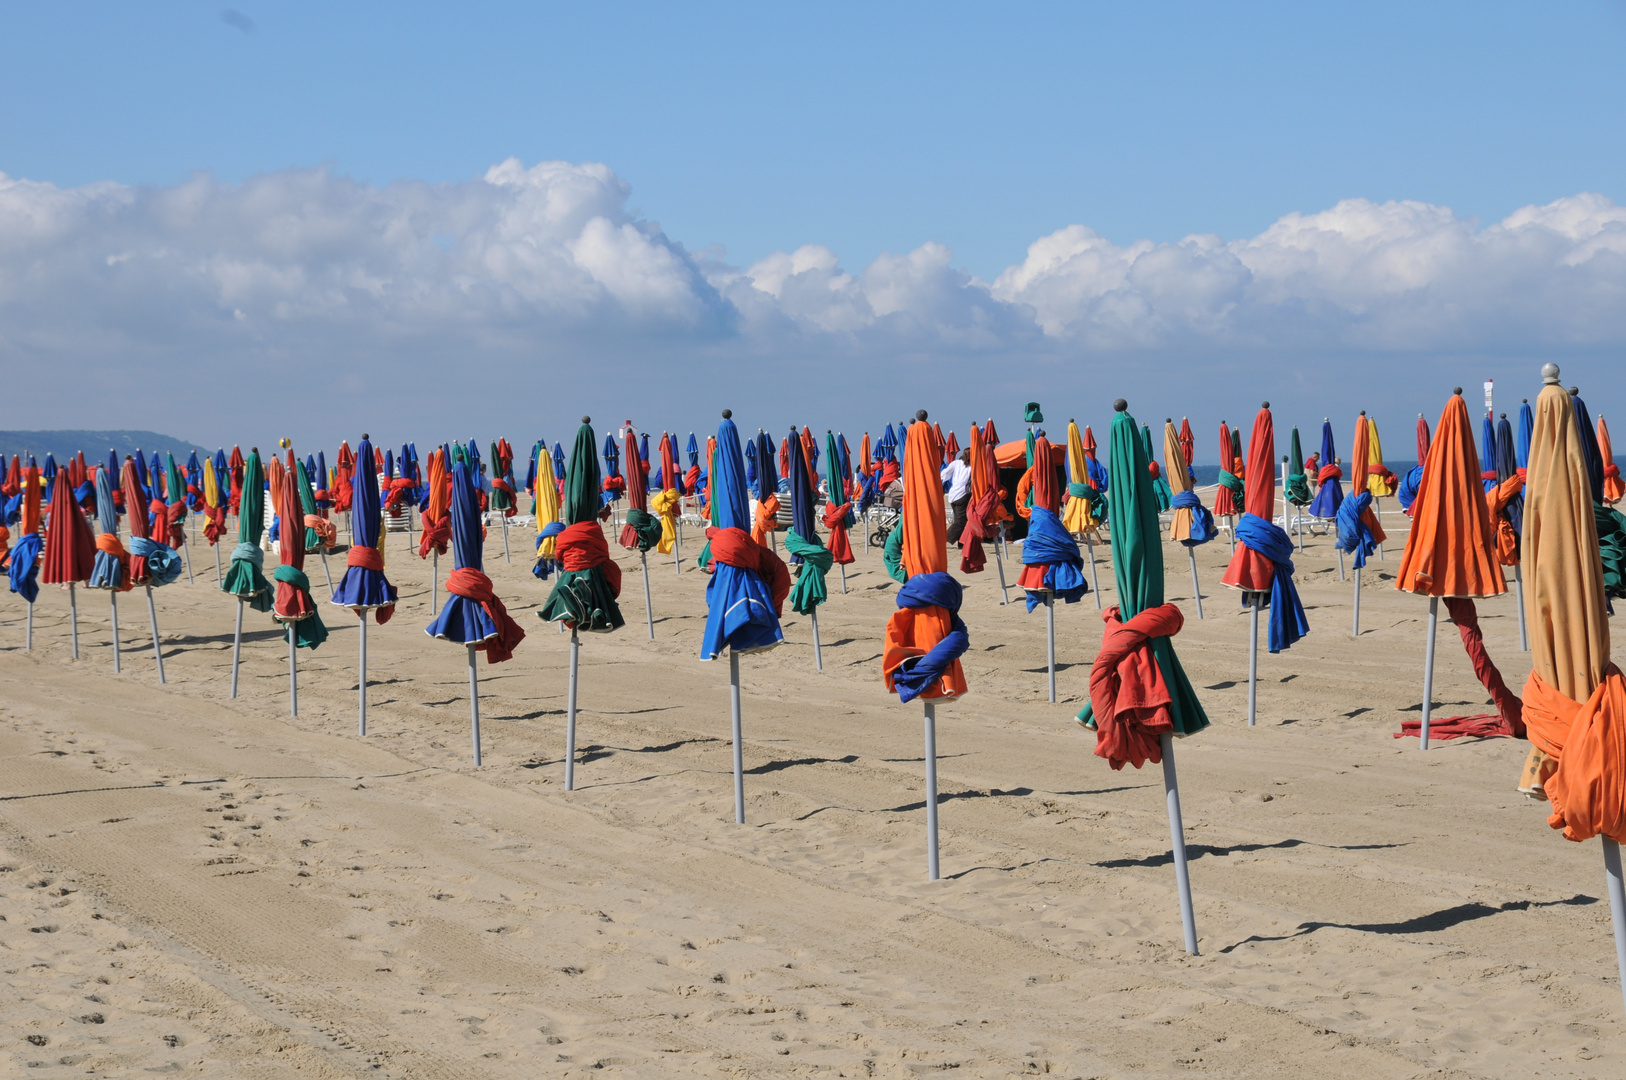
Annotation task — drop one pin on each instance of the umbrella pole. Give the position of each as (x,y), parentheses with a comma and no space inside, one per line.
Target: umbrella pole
(361,683)
(818,653)
(677,549)
(1357,601)
(1230,531)
(570,716)
(649,610)
(114,595)
(931,792)
(863,527)
(186,554)
(28,639)
(73,619)
(843,579)
(1095,582)
(1617,903)
(327,574)
(506,557)
(410,544)
(1377,512)
(1340,562)
(219,577)
(1000,564)
(739,757)
(293,672)
(1196,589)
(1428,664)
(1518,589)
(474,700)
(1050,640)
(773,538)
(1177,838)
(236,644)
(1253,660)
(1299,521)
(158,652)
(434,581)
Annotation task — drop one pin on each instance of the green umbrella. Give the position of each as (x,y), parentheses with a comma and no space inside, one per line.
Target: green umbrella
(1160,486)
(245,577)
(313,539)
(175,488)
(1297,491)
(1137,566)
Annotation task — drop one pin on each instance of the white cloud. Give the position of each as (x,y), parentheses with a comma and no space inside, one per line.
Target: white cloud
(531,288)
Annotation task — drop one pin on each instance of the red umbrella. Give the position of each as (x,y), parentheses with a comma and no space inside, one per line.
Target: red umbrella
(1188,443)
(642,529)
(1224,498)
(1422,439)
(234,465)
(70,548)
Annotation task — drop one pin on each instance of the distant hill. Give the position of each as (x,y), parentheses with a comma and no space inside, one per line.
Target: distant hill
(95,444)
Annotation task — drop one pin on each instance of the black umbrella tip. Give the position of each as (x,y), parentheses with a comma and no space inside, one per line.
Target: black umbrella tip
(1575,391)
(1457,390)
(920,414)
(1264,404)
(728,414)
(587,419)
(1120,405)
(254,449)
(1168,419)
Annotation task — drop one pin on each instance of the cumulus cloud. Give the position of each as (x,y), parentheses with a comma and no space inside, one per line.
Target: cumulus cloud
(302,300)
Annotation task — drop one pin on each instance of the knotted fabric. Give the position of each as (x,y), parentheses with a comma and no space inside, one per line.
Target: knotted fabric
(664,505)
(1358,530)
(245,577)
(1202,519)
(295,608)
(745,596)
(978,528)
(326,534)
(475,586)
(921,657)
(1051,561)
(766,519)
(1129,701)
(112,564)
(1588,790)
(1407,493)
(1507,721)
(1507,537)
(584,596)
(837,519)
(729,547)
(810,590)
(436,535)
(642,530)
(214,523)
(25,566)
(1266,538)
(155,563)
(1232,484)
(366,589)
(1329,491)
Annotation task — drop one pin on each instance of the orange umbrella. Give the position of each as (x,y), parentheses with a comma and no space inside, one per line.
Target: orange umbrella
(1613,488)
(1575,699)
(925,637)
(1175,450)
(1450,549)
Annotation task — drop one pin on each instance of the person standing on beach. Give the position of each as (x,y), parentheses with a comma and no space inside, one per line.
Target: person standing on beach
(957,475)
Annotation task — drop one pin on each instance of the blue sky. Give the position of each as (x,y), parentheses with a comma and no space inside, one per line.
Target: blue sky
(1100,193)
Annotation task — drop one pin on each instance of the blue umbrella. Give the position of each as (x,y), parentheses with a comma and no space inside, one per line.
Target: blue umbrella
(751,463)
(463,619)
(324,500)
(767,473)
(643,450)
(363,587)
(1330,495)
(1507,465)
(558,462)
(1589,448)
(1527,425)
(49,473)
(612,467)
(1487,451)
(389,464)
(108,572)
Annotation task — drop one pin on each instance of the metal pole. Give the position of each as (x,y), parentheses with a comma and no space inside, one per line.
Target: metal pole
(186,553)
(158,652)
(73,618)
(739,756)
(1340,561)
(863,527)
(114,595)
(649,610)
(28,641)
(1177,837)
(1005,595)
(327,574)
(1253,660)
(1299,521)
(843,579)
(1428,665)
(506,557)
(1357,601)
(1518,589)
(1230,531)
(219,576)
(1196,589)
(1377,513)
(1617,904)
(931,792)
(1050,640)
(293,673)
(434,580)
(677,547)
(570,712)
(236,643)
(361,686)
(474,701)
(818,653)
(1095,582)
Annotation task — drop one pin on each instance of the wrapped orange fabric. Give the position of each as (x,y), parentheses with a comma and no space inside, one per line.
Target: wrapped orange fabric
(1250,570)
(1450,550)
(1588,789)
(915,631)
(766,520)
(1507,541)
(109,543)
(1022,487)
(437,523)
(1613,488)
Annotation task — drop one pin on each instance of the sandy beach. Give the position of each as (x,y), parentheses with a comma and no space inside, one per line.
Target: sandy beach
(201,886)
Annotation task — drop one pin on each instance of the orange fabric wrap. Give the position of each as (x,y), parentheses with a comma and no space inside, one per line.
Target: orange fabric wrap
(107,543)
(1588,792)
(766,519)
(1022,487)
(912,632)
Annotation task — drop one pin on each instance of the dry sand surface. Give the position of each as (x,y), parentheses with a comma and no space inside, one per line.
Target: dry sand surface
(196,885)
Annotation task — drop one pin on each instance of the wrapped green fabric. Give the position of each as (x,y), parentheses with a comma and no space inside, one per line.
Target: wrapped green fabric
(892,555)
(648,527)
(307,506)
(310,631)
(1298,484)
(583,597)
(1230,480)
(1612,549)
(498,498)
(810,590)
(175,486)
(244,578)
(1137,567)
(1097,501)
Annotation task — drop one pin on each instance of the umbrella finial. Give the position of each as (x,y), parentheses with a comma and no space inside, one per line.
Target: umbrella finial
(1457,391)
(728,414)
(364,435)
(1575,391)
(1264,404)
(920,414)
(587,419)
(1549,374)
(1123,406)
(254,449)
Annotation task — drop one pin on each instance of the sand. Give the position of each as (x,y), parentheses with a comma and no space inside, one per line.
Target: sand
(201,886)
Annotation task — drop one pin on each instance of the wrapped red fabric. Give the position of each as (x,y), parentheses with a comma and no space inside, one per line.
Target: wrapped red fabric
(1329,472)
(1588,790)
(835,519)
(736,547)
(1128,696)
(325,532)
(1507,538)
(370,559)
(1507,721)
(473,585)
(214,523)
(582,546)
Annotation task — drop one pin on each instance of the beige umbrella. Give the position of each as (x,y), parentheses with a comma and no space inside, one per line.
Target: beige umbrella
(1575,700)
(1174,470)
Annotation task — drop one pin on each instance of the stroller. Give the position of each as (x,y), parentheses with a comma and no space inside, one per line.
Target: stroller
(887,514)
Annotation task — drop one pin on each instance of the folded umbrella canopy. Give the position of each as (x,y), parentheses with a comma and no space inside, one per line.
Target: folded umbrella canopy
(667,503)
(838,506)
(344,471)
(1329,490)
(746,594)
(1228,496)
(112,567)
(925,637)
(293,606)
(767,485)
(216,495)
(1079,514)
(435,517)
(589,582)
(548,525)
(1051,563)
(691,479)
(613,483)
(24,568)
(1611,526)
(1613,488)
(70,549)
(1191,524)
(802,542)
(642,529)
(1450,554)
(171,526)
(1160,485)
(245,577)
(982,510)
(1575,699)
(1507,513)
(1262,565)
(363,586)
(1297,489)
(1527,424)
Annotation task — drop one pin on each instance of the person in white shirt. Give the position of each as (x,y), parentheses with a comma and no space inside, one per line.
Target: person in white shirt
(956,476)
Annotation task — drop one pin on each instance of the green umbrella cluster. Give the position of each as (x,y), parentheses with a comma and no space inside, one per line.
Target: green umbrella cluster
(245,577)
(582,597)
(1298,485)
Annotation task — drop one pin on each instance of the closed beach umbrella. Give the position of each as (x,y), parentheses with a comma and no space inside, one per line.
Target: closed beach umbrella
(767,486)
(23,569)
(1297,489)
(1329,487)
(245,576)
(1191,524)
(293,606)
(435,517)
(666,504)
(112,569)
(548,525)
(925,637)
(838,506)
(1379,480)
(1526,429)
(1228,496)
(642,530)
(1078,516)
(813,559)
(1575,699)
(1052,566)
(1140,697)
(70,549)
(1613,488)
(1507,514)
(746,594)
(363,586)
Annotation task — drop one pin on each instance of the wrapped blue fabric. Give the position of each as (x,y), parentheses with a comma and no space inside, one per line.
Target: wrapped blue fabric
(867,493)
(917,675)
(106,572)
(543,569)
(14,509)
(83,492)
(163,564)
(1098,474)
(1354,535)
(1287,621)
(1407,492)
(25,566)
(1050,544)
(739,608)
(359,587)
(1202,518)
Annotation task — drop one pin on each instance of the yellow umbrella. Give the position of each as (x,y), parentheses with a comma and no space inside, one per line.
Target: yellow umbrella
(1175,472)
(1079,514)
(1575,700)
(547,501)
